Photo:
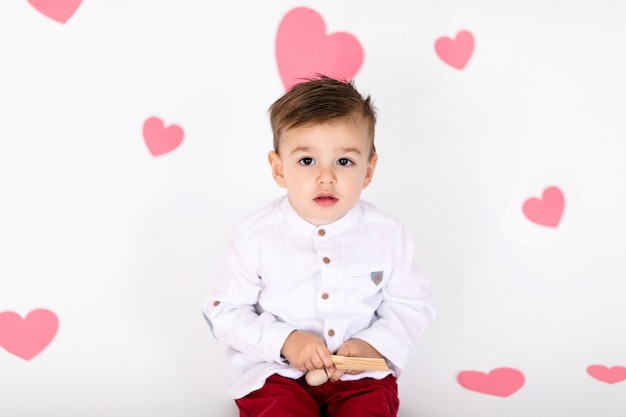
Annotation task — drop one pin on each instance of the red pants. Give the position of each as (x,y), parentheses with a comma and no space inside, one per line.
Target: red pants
(285,397)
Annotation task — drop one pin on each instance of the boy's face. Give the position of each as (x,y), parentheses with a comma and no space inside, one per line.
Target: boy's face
(324,167)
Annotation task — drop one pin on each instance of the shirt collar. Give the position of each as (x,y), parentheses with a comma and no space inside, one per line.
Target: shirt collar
(304,227)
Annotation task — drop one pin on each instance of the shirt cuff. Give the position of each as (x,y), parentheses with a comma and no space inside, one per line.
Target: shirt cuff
(394,352)
(275,339)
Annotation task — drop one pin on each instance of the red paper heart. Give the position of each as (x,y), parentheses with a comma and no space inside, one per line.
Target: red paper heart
(456,52)
(303,49)
(500,382)
(161,139)
(27,337)
(59,10)
(546,211)
(608,375)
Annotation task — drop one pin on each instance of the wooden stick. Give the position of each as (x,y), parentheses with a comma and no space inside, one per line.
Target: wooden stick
(359,364)
(319,376)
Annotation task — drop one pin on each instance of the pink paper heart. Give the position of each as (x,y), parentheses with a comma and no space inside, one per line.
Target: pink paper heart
(59,10)
(303,49)
(608,375)
(546,211)
(456,52)
(500,382)
(161,139)
(26,338)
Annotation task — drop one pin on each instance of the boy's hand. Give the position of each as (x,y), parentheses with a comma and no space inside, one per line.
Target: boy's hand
(354,347)
(306,352)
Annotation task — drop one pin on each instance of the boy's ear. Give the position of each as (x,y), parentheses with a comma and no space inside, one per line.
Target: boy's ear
(371,167)
(277,168)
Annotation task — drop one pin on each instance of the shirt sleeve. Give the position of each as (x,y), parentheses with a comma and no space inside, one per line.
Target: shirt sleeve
(405,311)
(231,311)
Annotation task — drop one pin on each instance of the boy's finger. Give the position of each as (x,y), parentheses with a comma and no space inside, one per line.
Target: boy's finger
(318,363)
(326,358)
(336,375)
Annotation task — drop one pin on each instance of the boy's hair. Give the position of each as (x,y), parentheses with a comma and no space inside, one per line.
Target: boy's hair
(320,100)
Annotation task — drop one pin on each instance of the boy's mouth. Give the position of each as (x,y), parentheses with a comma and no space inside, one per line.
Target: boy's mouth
(325,199)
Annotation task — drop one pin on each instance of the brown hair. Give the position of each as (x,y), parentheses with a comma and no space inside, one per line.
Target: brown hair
(320,100)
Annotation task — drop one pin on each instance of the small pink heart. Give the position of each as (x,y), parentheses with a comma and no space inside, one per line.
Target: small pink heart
(456,52)
(500,382)
(59,10)
(303,49)
(546,211)
(161,139)
(26,338)
(608,375)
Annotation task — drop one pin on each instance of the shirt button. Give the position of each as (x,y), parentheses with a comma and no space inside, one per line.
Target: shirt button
(321,232)
(325,296)
(377,278)
(331,332)
(326,260)
(216,303)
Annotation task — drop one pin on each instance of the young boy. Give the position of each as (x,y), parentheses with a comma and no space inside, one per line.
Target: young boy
(319,271)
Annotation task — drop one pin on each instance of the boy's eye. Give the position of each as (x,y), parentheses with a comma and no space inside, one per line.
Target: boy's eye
(306,161)
(344,162)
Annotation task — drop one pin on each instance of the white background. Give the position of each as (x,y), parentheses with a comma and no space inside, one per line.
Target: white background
(120,244)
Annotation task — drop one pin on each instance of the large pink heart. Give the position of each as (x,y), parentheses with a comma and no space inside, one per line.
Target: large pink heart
(456,52)
(27,337)
(547,210)
(500,382)
(608,375)
(303,49)
(161,139)
(59,10)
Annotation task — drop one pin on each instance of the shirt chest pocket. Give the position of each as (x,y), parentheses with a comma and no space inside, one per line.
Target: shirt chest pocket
(373,278)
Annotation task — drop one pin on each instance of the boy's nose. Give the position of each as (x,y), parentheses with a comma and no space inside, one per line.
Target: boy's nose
(326,176)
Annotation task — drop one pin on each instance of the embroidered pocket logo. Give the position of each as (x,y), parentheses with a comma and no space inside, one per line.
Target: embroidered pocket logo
(376,277)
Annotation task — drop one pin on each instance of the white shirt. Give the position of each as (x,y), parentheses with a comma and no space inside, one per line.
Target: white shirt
(354,278)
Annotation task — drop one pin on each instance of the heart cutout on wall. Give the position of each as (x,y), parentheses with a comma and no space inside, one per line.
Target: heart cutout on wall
(500,382)
(303,49)
(59,10)
(27,337)
(611,375)
(159,138)
(547,210)
(456,52)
